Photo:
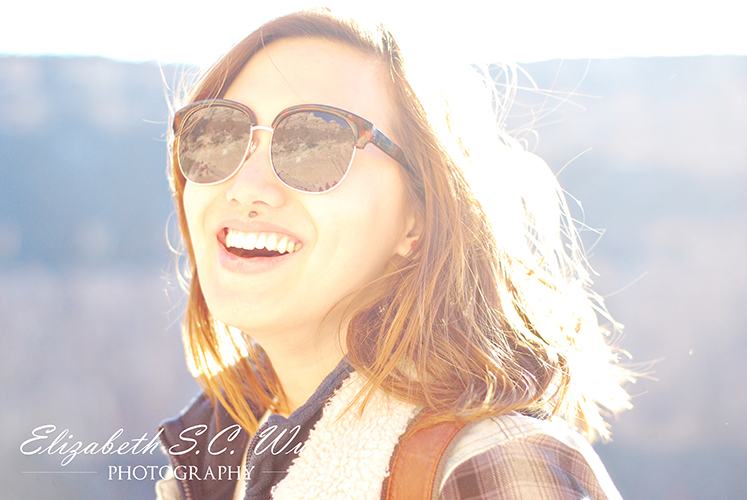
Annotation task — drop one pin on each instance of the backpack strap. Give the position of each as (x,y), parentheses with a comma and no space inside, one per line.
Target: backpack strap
(416,461)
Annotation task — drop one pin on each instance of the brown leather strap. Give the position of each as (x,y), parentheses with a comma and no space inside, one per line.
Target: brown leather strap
(416,462)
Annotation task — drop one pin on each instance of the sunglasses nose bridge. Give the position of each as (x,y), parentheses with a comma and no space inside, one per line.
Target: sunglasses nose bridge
(255,141)
(252,182)
(262,127)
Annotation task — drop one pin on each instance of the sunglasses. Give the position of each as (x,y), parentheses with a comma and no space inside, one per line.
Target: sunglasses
(311,150)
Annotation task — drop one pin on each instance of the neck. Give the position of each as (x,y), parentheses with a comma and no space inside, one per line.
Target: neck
(302,360)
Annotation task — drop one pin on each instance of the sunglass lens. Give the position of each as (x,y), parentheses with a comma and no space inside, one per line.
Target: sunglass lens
(312,150)
(212,143)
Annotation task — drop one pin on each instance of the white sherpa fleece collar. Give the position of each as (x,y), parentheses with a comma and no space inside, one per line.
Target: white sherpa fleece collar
(346,456)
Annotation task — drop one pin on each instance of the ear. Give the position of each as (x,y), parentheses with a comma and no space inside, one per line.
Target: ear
(413,232)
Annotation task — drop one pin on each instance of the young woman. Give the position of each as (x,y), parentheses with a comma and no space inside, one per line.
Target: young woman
(349,288)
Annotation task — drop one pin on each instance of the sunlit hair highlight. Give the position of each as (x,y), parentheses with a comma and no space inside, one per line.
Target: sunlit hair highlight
(490,313)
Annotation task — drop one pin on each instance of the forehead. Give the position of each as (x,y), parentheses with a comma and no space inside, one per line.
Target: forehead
(313,71)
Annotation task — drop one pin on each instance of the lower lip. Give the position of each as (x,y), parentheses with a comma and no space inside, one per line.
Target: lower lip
(253,265)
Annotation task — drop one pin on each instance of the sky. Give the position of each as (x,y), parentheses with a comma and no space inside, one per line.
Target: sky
(482,31)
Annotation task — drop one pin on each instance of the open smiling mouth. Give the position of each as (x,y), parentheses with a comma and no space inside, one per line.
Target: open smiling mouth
(251,245)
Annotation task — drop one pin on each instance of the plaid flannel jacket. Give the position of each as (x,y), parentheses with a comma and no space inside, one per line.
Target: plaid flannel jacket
(516,457)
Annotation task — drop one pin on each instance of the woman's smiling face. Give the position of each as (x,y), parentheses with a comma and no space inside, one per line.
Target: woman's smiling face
(340,240)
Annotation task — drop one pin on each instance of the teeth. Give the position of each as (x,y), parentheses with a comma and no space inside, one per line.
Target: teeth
(238,240)
(270,241)
(261,240)
(283,245)
(250,242)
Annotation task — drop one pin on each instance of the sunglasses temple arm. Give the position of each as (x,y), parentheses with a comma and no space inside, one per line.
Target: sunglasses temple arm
(388,146)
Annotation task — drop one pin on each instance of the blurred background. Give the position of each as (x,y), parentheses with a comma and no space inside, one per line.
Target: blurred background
(653,148)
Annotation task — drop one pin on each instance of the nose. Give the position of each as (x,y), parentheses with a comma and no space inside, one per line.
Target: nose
(255,183)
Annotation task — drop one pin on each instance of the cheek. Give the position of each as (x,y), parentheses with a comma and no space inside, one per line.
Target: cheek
(370,222)
(190,205)
(195,205)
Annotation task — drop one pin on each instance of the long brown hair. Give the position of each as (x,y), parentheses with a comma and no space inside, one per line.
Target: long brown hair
(491,312)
